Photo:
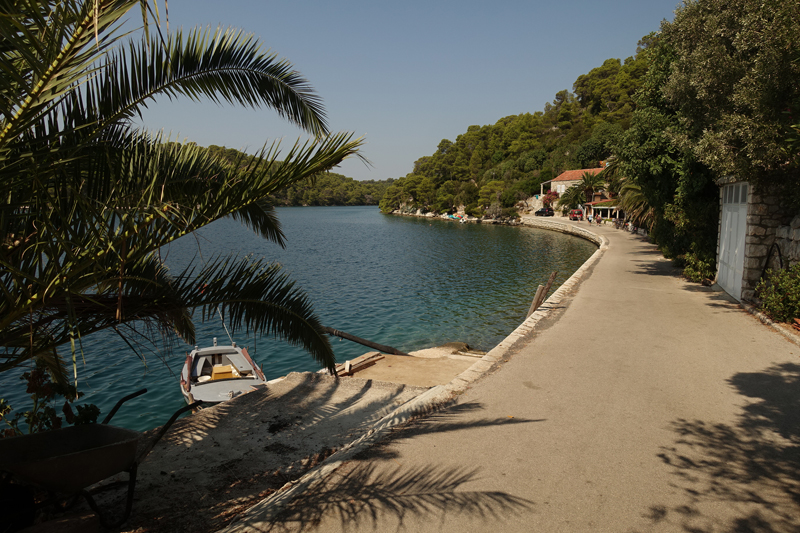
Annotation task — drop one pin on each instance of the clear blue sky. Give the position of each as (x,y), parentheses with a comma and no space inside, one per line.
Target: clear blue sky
(408,74)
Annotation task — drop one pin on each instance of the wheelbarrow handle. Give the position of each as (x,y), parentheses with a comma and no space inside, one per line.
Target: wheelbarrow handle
(150,445)
(107,419)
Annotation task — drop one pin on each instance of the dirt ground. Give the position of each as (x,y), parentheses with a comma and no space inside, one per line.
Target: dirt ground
(222,460)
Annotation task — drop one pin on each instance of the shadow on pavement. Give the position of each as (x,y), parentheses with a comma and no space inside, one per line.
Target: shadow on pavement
(655,267)
(364,495)
(749,471)
(437,422)
(375,492)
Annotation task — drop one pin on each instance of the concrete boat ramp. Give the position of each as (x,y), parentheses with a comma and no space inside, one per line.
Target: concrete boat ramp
(222,460)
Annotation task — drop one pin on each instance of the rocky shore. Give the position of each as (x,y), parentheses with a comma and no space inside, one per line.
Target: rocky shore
(458,217)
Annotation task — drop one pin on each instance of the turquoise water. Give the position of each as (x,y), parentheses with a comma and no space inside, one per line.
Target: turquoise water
(405,282)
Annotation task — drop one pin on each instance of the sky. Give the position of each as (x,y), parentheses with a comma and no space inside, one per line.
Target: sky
(406,75)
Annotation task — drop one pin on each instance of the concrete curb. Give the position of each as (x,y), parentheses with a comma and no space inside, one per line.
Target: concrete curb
(792,337)
(433,399)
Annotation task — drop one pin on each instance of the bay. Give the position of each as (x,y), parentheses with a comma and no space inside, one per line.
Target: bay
(406,282)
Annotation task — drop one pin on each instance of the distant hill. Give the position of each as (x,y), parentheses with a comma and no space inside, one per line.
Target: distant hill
(327,188)
(489,168)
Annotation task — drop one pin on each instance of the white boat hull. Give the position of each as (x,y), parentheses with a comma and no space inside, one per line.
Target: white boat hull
(219,373)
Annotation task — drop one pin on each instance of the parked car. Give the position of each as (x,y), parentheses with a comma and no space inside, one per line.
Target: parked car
(545,212)
(576,214)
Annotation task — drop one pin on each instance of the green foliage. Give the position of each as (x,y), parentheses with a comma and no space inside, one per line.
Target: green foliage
(522,151)
(42,415)
(637,210)
(676,196)
(392,197)
(734,74)
(699,267)
(572,198)
(607,91)
(550,198)
(491,193)
(325,188)
(780,294)
(89,198)
(712,104)
(474,211)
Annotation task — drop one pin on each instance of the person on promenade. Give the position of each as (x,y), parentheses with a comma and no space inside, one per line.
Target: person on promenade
(589,218)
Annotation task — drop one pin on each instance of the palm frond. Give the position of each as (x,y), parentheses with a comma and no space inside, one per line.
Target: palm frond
(89,200)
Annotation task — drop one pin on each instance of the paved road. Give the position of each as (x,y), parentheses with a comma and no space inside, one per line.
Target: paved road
(649,404)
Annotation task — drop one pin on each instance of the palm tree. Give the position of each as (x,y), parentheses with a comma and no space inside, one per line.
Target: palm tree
(88,199)
(591,182)
(634,203)
(572,198)
(582,191)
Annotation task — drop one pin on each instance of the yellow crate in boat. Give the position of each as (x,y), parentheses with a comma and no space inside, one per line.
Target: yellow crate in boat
(222,372)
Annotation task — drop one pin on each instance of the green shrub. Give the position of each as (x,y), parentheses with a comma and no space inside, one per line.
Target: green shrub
(780,294)
(698,268)
(45,396)
(474,210)
(509,212)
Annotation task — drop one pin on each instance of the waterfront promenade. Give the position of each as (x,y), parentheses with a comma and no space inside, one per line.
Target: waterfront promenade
(643,403)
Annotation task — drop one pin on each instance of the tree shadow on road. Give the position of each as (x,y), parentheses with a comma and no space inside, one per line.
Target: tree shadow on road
(742,477)
(445,420)
(658,266)
(376,492)
(366,495)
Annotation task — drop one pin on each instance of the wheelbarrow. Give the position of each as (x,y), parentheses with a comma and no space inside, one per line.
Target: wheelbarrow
(66,461)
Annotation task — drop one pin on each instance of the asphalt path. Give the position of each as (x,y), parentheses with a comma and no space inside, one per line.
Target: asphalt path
(645,404)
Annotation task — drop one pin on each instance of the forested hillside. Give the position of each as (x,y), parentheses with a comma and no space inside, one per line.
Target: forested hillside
(489,168)
(325,189)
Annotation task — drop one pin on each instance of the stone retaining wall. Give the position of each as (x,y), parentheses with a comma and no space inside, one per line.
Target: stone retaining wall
(788,240)
(562,227)
(767,217)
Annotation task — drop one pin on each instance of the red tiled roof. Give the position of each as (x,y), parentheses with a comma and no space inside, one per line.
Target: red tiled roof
(575,175)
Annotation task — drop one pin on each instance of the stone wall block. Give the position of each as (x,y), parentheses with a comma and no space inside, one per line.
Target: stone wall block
(782,232)
(795,222)
(775,210)
(753,219)
(792,251)
(770,223)
(756,250)
(752,262)
(753,272)
(756,230)
(753,239)
(758,209)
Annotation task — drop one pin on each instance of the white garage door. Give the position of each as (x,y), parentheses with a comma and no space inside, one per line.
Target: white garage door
(733,229)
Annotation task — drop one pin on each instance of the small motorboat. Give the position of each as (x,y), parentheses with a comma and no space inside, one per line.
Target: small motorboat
(219,373)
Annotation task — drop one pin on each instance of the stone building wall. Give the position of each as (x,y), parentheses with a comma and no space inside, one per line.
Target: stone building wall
(766,217)
(788,240)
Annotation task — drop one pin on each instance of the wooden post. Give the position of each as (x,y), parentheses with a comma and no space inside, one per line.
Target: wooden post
(535,299)
(550,281)
(374,345)
(541,293)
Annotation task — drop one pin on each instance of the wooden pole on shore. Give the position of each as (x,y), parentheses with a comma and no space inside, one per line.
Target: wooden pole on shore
(535,299)
(374,345)
(541,293)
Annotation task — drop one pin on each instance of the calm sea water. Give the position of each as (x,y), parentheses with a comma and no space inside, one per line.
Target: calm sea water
(406,282)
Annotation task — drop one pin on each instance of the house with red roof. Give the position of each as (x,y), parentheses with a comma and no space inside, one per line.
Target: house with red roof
(568,178)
